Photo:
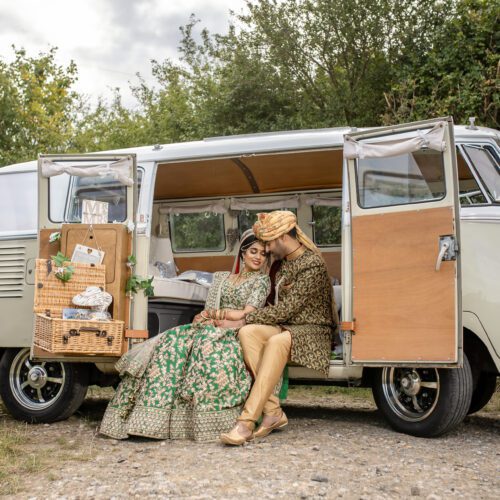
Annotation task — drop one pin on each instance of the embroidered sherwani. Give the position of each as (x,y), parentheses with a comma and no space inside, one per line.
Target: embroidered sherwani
(303,306)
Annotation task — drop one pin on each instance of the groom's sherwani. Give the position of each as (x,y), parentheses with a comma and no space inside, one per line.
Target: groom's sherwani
(303,306)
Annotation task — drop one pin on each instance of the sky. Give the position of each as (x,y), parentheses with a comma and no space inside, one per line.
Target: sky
(109,40)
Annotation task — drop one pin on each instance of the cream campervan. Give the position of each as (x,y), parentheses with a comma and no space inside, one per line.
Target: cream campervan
(407,218)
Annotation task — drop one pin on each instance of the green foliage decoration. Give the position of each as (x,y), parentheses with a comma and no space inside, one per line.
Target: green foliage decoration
(63,271)
(136,283)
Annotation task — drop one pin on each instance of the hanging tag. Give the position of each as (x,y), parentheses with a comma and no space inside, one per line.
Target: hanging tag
(87,255)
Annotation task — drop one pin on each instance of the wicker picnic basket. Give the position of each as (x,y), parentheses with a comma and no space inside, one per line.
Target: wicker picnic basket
(71,336)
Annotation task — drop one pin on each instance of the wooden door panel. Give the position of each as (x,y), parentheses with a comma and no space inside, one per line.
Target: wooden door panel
(407,306)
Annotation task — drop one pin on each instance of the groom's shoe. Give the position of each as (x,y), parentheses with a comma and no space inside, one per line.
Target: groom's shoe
(235,438)
(264,431)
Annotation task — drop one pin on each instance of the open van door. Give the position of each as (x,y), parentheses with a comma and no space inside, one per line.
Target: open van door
(402,274)
(65,182)
(404,253)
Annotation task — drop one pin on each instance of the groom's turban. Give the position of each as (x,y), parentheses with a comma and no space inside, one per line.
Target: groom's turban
(270,226)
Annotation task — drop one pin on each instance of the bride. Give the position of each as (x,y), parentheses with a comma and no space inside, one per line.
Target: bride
(190,382)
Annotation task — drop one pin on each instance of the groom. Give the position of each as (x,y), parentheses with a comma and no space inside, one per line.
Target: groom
(297,327)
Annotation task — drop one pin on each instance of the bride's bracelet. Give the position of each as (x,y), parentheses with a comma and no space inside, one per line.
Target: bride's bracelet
(206,318)
(216,314)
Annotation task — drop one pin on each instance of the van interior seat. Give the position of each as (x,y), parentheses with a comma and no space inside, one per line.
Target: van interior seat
(161,251)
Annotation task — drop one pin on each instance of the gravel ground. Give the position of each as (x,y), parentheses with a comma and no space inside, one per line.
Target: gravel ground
(336,446)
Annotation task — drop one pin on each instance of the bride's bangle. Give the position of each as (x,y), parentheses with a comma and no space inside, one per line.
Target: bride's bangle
(204,316)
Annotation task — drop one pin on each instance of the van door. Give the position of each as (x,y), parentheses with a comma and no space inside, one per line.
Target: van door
(402,272)
(65,181)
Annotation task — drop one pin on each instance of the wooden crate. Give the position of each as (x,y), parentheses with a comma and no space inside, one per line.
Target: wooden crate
(68,336)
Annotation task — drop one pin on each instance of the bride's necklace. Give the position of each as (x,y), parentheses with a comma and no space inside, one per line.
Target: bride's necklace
(243,276)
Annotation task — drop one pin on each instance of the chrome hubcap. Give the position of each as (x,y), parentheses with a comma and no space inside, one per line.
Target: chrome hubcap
(412,393)
(34,385)
(37,377)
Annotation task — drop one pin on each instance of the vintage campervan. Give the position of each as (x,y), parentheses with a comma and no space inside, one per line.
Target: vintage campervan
(407,218)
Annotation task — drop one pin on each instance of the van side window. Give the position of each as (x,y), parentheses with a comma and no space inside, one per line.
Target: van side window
(327,225)
(18,203)
(470,192)
(400,180)
(485,161)
(198,232)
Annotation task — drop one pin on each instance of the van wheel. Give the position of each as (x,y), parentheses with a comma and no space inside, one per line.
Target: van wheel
(485,388)
(39,392)
(424,402)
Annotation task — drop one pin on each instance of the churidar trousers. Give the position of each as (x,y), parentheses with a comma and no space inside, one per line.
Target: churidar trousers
(266,350)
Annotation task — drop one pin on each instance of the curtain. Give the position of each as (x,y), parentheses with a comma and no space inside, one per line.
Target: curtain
(432,139)
(246,204)
(118,170)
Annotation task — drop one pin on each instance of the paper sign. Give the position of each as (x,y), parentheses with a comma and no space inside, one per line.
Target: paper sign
(87,255)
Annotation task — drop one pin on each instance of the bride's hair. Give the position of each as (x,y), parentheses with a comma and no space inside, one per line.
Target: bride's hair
(248,238)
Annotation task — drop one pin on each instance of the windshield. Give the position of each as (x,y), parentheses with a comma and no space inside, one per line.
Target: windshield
(485,160)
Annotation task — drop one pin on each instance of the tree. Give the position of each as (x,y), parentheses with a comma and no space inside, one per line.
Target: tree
(458,75)
(37,106)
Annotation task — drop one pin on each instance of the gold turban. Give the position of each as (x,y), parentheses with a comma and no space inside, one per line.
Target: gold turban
(270,226)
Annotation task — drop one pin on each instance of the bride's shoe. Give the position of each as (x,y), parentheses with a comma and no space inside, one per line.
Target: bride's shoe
(265,431)
(234,438)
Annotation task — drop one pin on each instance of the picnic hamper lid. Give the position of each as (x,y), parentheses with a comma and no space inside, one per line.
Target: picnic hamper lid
(54,295)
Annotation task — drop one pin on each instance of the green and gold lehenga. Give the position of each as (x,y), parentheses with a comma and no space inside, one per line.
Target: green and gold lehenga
(188,382)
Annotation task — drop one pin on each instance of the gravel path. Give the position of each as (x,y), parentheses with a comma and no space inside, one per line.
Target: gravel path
(334,447)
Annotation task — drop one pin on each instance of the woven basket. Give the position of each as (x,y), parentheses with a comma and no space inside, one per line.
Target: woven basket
(72,336)
(54,295)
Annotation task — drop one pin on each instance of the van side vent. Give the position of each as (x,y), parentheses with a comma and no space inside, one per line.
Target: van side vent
(12,266)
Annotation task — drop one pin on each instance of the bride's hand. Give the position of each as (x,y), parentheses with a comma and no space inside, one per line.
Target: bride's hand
(198,318)
(226,323)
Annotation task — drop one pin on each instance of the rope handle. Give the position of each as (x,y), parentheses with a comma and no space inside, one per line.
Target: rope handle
(87,234)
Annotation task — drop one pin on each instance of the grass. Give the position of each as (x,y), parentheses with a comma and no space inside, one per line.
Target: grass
(15,458)
(31,449)
(304,391)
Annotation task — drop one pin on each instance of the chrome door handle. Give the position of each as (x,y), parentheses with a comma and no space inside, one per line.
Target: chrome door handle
(442,251)
(448,250)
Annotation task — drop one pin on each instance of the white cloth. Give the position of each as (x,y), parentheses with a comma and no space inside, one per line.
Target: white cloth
(118,170)
(433,139)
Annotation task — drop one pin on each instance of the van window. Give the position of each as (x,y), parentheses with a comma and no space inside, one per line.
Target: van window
(87,188)
(198,232)
(470,192)
(327,225)
(485,161)
(247,218)
(400,180)
(18,203)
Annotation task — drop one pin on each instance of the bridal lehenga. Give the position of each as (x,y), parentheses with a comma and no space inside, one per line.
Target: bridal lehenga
(189,382)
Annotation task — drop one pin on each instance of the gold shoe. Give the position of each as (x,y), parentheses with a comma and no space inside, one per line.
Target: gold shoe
(234,438)
(265,431)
